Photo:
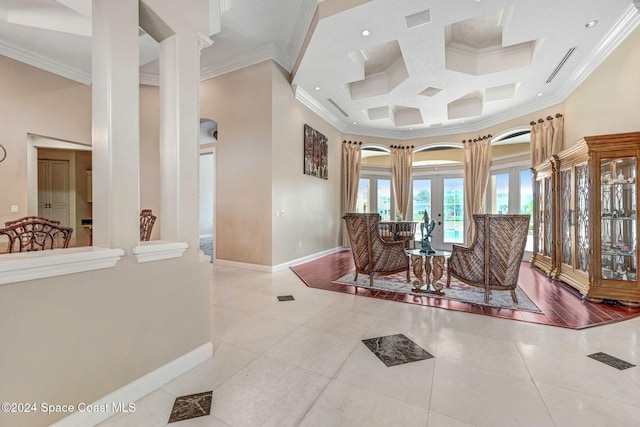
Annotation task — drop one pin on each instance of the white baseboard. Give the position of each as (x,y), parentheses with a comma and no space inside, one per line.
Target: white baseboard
(139,388)
(273,268)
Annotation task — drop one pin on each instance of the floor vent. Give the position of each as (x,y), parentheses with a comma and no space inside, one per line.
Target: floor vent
(337,107)
(561,64)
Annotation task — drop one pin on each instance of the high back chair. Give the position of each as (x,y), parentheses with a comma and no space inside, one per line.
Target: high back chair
(493,260)
(372,255)
(147,219)
(33,233)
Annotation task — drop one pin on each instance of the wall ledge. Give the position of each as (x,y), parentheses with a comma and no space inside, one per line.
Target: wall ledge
(157,250)
(23,266)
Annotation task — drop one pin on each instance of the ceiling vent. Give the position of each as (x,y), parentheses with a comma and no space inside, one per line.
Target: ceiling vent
(637,4)
(561,64)
(419,18)
(337,107)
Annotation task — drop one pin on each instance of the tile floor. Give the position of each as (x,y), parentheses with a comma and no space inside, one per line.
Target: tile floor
(303,363)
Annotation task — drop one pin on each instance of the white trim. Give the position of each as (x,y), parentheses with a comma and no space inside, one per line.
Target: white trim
(139,388)
(274,268)
(43,63)
(157,250)
(23,266)
(206,236)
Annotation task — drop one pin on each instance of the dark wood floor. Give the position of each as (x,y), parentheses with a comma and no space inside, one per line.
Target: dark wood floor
(562,305)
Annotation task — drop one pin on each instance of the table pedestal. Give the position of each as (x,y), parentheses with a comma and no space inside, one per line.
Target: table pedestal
(427,285)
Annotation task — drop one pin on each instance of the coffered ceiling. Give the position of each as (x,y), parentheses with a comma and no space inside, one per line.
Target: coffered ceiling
(424,67)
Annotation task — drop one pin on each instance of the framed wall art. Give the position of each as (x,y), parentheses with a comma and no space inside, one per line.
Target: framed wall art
(315,153)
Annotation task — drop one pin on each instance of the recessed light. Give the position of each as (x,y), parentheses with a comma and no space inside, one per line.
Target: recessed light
(365,32)
(591,23)
(463,121)
(410,128)
(540,93)
(317,87)
(355,123)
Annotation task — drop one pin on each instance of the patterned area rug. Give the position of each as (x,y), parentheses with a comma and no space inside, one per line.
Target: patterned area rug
(458,291)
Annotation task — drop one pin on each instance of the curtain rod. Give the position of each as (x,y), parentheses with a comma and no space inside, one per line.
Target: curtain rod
(349,142)
(479,138)
(548,118)
(402,147)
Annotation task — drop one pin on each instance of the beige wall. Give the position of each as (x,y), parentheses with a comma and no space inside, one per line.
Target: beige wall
(37,102)
(608,101)
(311,205)
(241,104)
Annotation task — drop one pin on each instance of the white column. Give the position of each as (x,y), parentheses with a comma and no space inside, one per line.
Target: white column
(116,122)
(179,137)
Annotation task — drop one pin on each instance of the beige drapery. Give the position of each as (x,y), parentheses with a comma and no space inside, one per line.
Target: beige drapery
(546,138)
(401,163)
(351,156)
(477,165)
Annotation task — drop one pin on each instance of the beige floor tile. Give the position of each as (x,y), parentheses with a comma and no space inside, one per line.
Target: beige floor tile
(297,312)
(573,409)
(341,322)
(267,392)
(152,410)
(258,333)
(315,350)
(343,405)
(487,399)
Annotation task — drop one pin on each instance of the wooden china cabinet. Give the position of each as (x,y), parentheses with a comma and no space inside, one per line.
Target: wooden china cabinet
(585,221)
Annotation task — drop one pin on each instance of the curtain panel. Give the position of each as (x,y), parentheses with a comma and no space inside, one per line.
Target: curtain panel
(546,138)
(401,166)
(351,156)
(477,166)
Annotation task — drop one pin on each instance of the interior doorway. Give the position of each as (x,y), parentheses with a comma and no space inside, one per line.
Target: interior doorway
(208,138)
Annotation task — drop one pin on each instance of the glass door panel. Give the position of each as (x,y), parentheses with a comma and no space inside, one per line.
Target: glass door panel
(384,199)
(363,203)
(618,218)
(421,202)
(453,210)
(526,203)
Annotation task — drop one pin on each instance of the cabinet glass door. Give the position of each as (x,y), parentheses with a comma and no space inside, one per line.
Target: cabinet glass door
(618,218)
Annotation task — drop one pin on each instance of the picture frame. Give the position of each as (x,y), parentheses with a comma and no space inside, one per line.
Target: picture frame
(316,151)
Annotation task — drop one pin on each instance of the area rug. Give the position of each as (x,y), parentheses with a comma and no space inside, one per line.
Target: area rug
(206,246)
(457,292)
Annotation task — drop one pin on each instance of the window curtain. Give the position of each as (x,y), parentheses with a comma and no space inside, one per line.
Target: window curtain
(401,163)
(351,156)
(546,138)
(477,165)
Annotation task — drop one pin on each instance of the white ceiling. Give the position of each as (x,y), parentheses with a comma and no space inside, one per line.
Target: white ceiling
(428,67)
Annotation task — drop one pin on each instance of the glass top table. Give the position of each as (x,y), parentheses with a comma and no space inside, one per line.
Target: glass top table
(427,285)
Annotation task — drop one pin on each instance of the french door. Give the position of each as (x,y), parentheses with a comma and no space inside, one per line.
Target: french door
(443,199)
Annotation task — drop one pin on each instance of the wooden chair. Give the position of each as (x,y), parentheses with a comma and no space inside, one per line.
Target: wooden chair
(33,233)
(493,260)
(147,219)
(372,255)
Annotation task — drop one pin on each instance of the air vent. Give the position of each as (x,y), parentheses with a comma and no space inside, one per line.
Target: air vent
(337,107)
(419,18)
(561,64)
(637,4)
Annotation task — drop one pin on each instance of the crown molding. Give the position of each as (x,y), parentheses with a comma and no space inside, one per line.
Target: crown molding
(264,53)
(150,79)
(45,64)
(312,104)
(303,21)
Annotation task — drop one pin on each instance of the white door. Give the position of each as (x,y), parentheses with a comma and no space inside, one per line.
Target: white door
(53,190)
(443,199)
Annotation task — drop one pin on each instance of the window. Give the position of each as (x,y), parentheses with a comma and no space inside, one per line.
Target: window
(453,210)
(375,195)
(499,194)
